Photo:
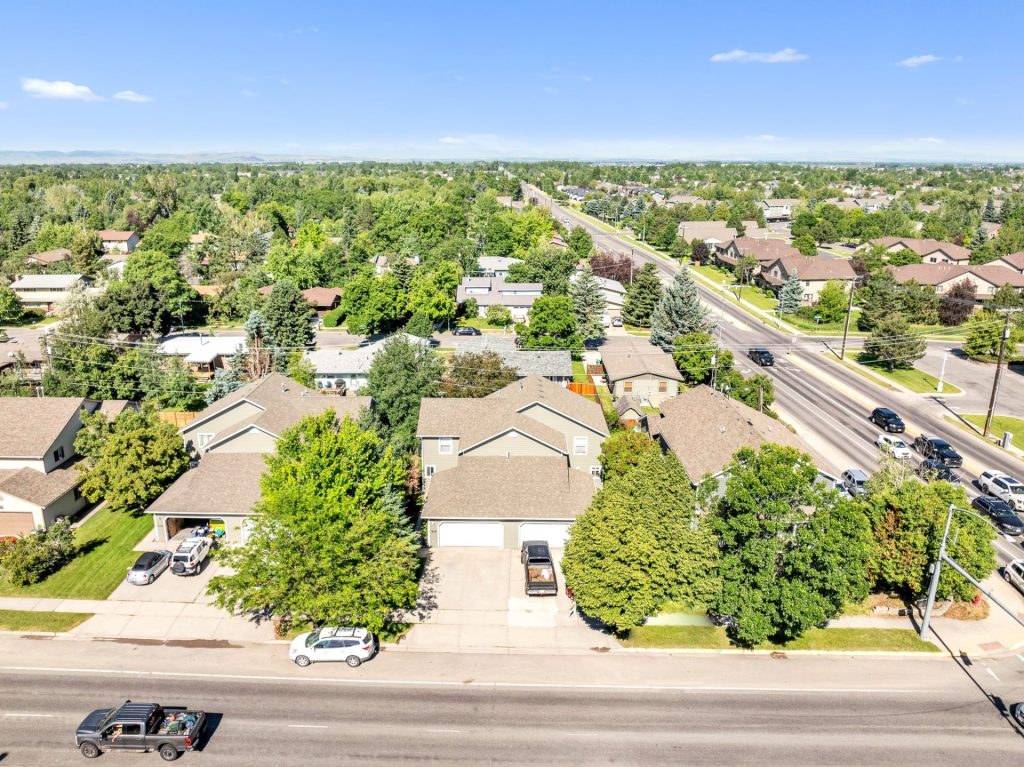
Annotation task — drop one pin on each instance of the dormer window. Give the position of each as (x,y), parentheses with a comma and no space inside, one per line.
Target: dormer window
(58,454)
(444,446)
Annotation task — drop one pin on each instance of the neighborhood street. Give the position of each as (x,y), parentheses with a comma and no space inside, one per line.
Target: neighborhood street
(478,708)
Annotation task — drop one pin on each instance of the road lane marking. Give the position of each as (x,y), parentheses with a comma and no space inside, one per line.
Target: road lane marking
(309,726)
(993,673)
(1020,657)
(446,731)
(485,685)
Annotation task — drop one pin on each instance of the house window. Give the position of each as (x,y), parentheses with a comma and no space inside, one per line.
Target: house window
(662,387)
(58,454)
(627,387)
(204,438)
(428,471)
(579,445)
(595,471)
(444,446)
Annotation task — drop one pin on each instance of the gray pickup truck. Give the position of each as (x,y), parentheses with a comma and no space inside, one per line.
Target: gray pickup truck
(539,569)
(169,731)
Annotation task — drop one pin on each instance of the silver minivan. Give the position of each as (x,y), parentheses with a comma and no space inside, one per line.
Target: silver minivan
(1014,573)
(854,480)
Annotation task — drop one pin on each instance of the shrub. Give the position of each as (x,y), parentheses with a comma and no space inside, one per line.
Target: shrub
(498,316)
(29,560)
(333,318)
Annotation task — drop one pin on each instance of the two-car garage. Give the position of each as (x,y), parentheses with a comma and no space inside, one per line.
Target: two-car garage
(497,534)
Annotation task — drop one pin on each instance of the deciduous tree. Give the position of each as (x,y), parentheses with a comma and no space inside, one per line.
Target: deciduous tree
(552,325)
(957,303)
(476,374)
(892,344)
(401,374)
(623,450)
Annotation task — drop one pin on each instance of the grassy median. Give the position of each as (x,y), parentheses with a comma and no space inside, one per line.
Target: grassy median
(107,541)
(831,640)
(27,620)
(1000,423)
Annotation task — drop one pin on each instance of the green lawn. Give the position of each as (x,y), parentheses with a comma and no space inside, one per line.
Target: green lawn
(26,620)
(480,323)
(1000,423)
(108,539)
(715,274)
(757,297)
(836,640)
(579,372)
(916,380)
(633,330)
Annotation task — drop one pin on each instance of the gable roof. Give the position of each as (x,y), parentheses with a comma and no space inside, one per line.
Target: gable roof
(629,364)
(628,402)
(762,248)
(114,235)
(40,488)
(504,488)
(778,202)
(705,428)
(354,361)
(322,296)
(50,256)
(29,425)
(222,483)
(281,402)
(521,394)
(47,281)
(1015,260)
(557,364)
(816,268)
(197,347)
(924,247)
(938,274)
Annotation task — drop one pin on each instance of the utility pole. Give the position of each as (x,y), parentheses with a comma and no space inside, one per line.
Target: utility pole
(760,398)
(846,325)
(995,380)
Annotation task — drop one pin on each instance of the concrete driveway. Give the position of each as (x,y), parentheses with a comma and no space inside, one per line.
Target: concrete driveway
(473,600)
(169,587)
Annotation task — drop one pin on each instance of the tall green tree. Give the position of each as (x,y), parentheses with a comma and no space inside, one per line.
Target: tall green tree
(476,374)
(401,374)
(580,243)
(793,553)
(330,543)
(679,312)
(288,316)
(790,296)
(832,300)
(588,303)
(11,309)
(623,450)
(161,270)
(129,461)
(984,335)
(639,545)
(892,344)
(135,307)
(642,297)
(697,355)
(552,325)
(989,213)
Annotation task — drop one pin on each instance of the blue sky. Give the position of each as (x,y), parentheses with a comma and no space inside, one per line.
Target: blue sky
(669,80)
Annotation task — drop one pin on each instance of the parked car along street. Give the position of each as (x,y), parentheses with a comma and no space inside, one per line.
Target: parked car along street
(1014,573)
(894,446)
(352,645)
(938,448)
(887,419)
(465,330)
(148,566)
(1004,487)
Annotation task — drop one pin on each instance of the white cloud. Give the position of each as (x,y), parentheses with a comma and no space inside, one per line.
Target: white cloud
(4,105)
(451,140)
(138,98)
(247,93)
(785,56)
(918,61)
(928,140)
(766,137)
(57,89)
(587,79)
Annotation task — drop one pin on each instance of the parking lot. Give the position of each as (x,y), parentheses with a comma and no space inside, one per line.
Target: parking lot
(473,599)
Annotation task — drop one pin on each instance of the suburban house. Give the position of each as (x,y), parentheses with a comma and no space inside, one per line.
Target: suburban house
(930,251)
(517,297)
(204,354)
(322,300)
(813,272)
(47,291)
(346,370)
(991,229)
(987,278)
(574,193)
(715,233)
(704,428)
(198,239)
(646,373)
(48,257)
(555,366)
(520,464)
(764,250)
(114,241)
(495,266)
(1013,261)
(613,290)
(38,474)
(685,199)
(779,209)
(228,442)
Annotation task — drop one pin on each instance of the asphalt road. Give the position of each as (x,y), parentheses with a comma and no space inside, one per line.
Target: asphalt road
(312,723)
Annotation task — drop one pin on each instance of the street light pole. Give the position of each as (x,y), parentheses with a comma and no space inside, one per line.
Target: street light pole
(942,373)
(995,380)
(936,571)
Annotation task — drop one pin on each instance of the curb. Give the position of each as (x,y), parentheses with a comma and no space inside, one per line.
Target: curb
(940,654)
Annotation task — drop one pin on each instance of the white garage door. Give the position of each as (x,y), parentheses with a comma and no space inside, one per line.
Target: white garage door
(471,534)
(555,533)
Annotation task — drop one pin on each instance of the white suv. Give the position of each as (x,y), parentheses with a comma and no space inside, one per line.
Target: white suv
(352,645)
(1004,487)
(189,556)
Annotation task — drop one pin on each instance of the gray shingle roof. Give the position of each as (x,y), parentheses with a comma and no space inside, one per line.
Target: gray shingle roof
(554,363)
(509,488)
(39,488)
(652,361)
(222,483)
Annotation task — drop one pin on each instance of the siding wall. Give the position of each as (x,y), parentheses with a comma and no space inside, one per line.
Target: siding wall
(646,388)
(229,417)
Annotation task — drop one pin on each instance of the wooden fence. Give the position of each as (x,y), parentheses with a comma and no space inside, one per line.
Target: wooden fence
(177,419)
(586,389)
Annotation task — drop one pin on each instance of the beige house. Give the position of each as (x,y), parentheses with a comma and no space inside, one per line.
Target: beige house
(765,251)
(117,241)
(779,209)
(986,279)
(714,233)
(519,464)
(47,291)
(646,374)
(813,272)
(229,441)
(48,257)
(1013,261)
(38,474)
(930,251)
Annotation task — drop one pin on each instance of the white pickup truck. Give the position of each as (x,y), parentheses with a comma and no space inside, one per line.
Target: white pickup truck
(188,558)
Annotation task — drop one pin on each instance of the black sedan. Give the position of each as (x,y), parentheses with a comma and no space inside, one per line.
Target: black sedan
(762,357)
(465,330)
(932,470)
(935,447)
(1000,513)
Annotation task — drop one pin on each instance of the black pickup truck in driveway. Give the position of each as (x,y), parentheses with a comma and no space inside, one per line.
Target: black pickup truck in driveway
(140,727)
(539,569)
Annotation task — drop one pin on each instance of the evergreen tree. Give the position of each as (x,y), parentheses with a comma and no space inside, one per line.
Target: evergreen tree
(989,213)
(892,344)
(679,312)
(882,298)
(791,295)
(288,316)
(419,325)
(642,297)
(403,271)
(588,303)
(225,381)
(980,237)
(580,243)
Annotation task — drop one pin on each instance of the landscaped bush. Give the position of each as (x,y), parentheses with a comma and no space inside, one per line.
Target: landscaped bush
(29,560)
(333,318)
(498,316)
